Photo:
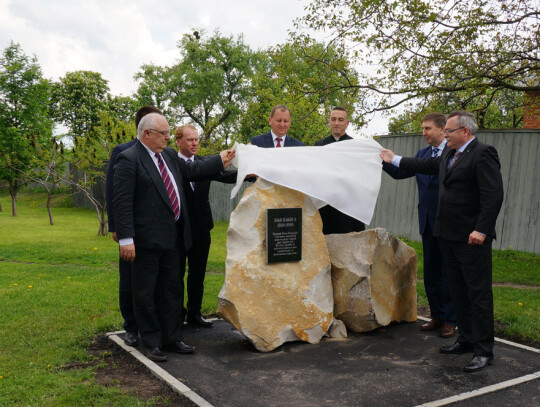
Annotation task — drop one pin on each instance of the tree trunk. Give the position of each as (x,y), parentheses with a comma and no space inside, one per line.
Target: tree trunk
(102,224)
(13,202)
(1,206)
(49,209)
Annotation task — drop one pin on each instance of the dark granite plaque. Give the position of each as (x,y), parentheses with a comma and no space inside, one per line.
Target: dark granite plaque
(283,235)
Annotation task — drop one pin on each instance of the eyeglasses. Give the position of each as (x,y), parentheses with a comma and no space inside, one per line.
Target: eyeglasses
(448,131)
(164,132)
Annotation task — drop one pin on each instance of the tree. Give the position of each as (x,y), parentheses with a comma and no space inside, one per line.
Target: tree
(90,156)
(78,99)
(310,78)
(496,110)
(24,100)
(414,49)
(209,85)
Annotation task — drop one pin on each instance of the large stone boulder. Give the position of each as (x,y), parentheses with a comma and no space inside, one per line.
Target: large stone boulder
(275,303)
(374,279)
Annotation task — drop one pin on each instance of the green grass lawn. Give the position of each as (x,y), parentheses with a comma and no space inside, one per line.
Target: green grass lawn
(59,289)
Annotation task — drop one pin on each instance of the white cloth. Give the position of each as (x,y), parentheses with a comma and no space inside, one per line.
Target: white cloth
(345,175)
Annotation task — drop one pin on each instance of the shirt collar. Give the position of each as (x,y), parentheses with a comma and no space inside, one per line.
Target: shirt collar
(182,156)
(274,137)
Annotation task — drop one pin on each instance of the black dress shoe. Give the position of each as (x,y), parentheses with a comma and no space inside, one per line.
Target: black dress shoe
(179,347)
(198,320)
(478,363)
(456,348)
(131,338)
(155,355)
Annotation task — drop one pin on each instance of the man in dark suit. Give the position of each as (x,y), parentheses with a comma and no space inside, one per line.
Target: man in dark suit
(201,221)
(443,316)
(131,338)
(280,123)
(152,222)
(335,221)
(470,198)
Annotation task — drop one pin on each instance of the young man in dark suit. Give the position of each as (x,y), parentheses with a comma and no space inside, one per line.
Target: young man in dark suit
(280,123)
(152,223)
(201,221)
(131,338)
(443,316)
(335,221)
(470,198)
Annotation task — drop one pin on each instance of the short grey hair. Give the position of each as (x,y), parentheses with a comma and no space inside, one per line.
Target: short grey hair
(465,119)
(147,122)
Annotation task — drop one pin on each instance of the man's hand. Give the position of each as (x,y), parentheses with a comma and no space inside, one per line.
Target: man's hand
(387,155)
(115,238)
(127,252)
(226,157)
(476,238)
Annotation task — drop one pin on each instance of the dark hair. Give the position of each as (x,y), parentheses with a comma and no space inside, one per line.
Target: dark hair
(438,118)
(143,111)
(281,108)
(465,119)
(341,109)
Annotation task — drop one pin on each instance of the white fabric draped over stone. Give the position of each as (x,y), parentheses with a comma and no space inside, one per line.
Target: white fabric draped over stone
(345,175)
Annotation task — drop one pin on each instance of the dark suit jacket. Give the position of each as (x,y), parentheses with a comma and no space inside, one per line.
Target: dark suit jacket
(428,189)
(110,178)
(200,213)
(266,141)
(470,192)
(330,139)
(141,206)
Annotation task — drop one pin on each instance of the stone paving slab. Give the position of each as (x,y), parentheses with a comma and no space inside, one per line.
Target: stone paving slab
(393,366)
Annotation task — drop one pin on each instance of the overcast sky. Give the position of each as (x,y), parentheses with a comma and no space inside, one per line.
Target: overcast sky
(116,37)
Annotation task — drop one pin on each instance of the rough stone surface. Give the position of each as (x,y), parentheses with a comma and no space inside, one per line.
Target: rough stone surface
(374,279)
(275,303)
(337,330)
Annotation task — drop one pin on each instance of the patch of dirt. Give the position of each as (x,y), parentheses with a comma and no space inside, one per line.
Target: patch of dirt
(118,369)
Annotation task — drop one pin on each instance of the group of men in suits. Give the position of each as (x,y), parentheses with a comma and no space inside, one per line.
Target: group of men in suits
(159,212)
(470,198)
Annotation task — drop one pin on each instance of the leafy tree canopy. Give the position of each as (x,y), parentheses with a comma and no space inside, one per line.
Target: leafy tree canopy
(411,50)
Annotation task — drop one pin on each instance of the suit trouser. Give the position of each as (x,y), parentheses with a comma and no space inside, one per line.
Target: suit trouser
(197,258)
(435,278)
(155,272)
(126,296)
(469,275)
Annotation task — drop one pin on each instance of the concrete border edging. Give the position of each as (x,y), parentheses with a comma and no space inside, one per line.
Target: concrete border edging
(175,384)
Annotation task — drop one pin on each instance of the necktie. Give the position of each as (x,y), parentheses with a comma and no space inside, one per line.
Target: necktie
(278,142)
(454,158)
(191,183)
(435,152)
(173,197)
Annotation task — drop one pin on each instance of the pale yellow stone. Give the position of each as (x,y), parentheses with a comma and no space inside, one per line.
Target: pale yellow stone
(271,304)
(374,279)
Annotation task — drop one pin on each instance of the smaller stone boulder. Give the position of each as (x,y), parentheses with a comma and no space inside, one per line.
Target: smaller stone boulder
(374,279)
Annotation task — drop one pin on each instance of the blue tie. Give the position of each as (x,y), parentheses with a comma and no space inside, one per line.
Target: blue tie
(435,152)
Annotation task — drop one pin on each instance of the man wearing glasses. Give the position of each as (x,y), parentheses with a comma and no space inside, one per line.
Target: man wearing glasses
(152,221)
(470,198)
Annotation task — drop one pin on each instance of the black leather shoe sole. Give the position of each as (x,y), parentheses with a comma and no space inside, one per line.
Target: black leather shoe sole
(179,347)
(456,348)
(155,355)
(131,339)
(478,363)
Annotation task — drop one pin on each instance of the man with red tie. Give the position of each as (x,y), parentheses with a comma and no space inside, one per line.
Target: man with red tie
(280,123)
(152,221)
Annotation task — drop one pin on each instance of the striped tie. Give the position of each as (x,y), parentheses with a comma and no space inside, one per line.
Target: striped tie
(454,158)
(173,197)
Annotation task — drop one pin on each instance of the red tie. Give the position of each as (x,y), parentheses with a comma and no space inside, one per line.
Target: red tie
(278,142)
(169,187)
